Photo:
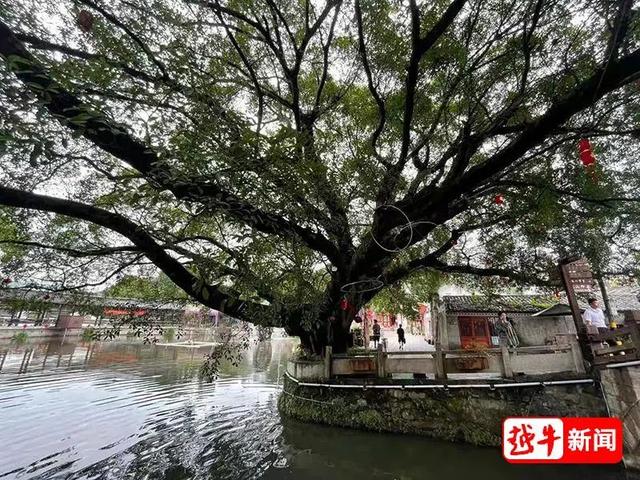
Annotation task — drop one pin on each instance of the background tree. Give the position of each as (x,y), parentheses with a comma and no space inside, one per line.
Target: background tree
(272,158)
(145,288)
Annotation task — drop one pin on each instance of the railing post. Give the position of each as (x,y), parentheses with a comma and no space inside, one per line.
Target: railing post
(328,350)
(633,332)
(380,361)
(506,360)
(441,373)
(576,353)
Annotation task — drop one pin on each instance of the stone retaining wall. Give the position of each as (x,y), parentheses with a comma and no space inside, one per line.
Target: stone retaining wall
(471,415)
(621,387)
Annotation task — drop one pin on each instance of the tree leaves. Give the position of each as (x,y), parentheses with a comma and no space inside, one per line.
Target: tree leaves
(242,143)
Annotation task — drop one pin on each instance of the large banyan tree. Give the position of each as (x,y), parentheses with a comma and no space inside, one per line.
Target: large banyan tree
(284,161)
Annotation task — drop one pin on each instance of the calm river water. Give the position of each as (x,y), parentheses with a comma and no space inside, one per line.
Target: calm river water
(119,410)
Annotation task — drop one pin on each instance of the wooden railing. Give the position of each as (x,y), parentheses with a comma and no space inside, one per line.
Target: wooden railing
(615,345)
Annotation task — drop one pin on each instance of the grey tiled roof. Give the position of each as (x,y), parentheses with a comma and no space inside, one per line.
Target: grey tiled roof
(508,303)
(623,298)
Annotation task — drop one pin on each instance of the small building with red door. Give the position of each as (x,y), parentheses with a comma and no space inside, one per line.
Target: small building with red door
(468,320)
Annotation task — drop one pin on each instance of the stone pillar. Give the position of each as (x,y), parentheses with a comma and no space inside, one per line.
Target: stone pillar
(380,361)
(328,351)
(439,320)
(439,357)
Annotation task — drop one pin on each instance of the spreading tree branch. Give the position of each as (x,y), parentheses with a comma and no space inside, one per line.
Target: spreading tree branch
(195,287)
(96,128)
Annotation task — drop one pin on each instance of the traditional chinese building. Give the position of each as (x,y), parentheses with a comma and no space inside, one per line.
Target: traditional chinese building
(466,320)
(29,306)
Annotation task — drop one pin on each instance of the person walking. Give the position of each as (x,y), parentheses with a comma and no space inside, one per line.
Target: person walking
(376,333)
(401,340)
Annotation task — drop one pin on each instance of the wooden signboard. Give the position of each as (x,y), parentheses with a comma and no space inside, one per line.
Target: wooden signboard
(578,275)
(577,278)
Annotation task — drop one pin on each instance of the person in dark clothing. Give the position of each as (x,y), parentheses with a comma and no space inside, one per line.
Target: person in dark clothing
(376,333)
(401,339)
(505,331)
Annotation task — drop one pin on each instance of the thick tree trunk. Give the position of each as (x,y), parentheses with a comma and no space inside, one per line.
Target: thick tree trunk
(342,339)
(333,318)
(331,326)
(335,332)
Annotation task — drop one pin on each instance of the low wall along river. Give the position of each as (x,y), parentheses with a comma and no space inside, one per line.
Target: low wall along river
(471,414)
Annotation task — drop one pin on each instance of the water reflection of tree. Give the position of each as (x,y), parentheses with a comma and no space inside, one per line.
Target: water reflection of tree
(262,356)
(194,430)
(230,436)
(281,352)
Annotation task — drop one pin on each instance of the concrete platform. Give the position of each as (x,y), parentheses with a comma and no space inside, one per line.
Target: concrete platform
(188,344)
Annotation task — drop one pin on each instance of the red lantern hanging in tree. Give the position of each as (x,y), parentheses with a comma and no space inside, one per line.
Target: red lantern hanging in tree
(85,20)
(587,158)
(586,155)
(498,199)
(344,304)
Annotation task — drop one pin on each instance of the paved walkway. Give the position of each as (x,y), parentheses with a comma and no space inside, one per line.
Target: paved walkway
(415,343)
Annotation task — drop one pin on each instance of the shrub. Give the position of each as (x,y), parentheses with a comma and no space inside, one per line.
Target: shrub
(169,334)
(89,335)
(19,338)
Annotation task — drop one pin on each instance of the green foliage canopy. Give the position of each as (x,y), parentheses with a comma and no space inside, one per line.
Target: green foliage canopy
(272,157)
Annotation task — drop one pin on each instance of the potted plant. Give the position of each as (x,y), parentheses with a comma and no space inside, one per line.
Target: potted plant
(358,337)
(479,361)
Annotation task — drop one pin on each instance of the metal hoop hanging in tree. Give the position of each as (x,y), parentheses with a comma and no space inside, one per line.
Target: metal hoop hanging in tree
(368,285)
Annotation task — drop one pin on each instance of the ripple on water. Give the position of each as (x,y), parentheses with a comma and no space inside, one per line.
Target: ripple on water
(116,420)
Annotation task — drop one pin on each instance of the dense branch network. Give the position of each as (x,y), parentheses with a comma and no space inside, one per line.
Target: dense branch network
(294,149)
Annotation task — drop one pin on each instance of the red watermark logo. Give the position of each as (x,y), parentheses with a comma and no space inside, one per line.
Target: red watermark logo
(562,440)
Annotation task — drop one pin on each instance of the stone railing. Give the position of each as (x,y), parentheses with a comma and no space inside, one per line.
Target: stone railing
(441,364)
(307,369)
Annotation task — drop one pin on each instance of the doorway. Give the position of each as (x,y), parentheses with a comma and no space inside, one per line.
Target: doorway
(474,331)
